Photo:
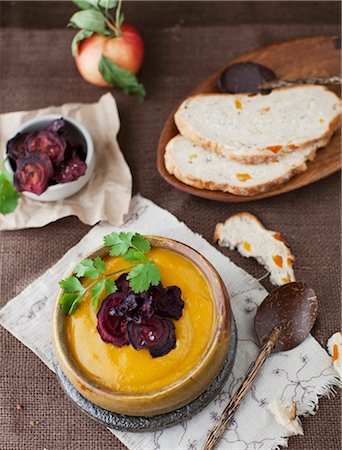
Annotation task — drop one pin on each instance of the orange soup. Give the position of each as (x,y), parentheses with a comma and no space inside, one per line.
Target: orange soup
(131,371)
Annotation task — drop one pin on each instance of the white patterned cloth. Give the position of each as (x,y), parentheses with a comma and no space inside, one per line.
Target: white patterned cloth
(301,375)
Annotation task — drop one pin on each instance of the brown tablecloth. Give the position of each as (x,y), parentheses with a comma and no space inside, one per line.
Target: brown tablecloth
(184,41)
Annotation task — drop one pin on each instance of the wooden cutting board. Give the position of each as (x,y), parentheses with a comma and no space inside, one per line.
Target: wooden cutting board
(300,58)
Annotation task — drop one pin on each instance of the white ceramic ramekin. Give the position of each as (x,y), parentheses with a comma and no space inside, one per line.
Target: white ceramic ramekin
(62,190)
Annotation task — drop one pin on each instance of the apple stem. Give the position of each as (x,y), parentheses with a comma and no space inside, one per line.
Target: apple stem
(112,27)
(118,16)
(115,24)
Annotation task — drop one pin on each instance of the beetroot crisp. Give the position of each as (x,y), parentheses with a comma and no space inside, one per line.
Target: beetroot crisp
(47,142)
(143,320)
(33,173)
(46,157)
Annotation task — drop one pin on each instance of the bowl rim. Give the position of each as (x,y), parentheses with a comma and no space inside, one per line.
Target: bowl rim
(81,128)
(222,320)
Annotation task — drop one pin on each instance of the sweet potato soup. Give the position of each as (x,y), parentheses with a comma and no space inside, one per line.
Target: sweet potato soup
(131,371)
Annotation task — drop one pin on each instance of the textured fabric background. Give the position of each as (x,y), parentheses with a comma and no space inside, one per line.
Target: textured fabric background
(184,41)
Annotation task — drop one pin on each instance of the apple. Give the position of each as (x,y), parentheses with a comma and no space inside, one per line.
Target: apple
(125,50)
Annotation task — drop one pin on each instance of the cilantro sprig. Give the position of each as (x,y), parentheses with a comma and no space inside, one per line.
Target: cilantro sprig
(134,248)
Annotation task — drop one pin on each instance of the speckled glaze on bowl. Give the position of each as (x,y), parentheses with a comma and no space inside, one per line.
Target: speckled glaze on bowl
(61,190)
(182,391)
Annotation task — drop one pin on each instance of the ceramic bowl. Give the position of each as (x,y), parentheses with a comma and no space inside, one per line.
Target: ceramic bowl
(63,190)
(182,391)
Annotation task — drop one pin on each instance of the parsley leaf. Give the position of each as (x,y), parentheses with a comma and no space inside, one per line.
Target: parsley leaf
(89,268)
(141,243)
(100,265)
(73,293)
(71,285)
(134,247)
(133,255)
(131,246)
(110,286)
(120,242)
(96,292)
(69,302)
(8,194)
(144,275)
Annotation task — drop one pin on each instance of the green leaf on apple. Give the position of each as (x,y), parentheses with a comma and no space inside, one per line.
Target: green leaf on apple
(86,4)
(82,34)
(122,78)
(90,20)
(107,4)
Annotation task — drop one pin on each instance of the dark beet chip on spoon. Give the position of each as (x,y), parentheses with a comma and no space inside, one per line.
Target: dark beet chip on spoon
(47,142)
(245,77)
(111,328)
(168,302)
(33,173)
(157,335)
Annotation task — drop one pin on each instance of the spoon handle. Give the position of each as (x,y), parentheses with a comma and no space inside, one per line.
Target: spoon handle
(313,80)
(229,411)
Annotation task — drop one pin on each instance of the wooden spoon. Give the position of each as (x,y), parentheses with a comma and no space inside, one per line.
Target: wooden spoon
(326,81)
(283,321)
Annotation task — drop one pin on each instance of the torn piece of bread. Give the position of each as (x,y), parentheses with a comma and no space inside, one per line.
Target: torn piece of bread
(285,413)
(334,345)
(259,128)
(246,233)
(206,170)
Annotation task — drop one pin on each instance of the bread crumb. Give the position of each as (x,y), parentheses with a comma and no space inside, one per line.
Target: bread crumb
(285,413)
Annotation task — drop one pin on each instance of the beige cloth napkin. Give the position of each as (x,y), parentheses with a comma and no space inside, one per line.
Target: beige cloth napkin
(107,194)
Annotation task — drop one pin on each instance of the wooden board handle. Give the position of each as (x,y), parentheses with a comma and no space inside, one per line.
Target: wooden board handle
(229,411)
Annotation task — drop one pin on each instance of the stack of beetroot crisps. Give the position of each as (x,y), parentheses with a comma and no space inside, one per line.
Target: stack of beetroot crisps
(144,320)
(46,157)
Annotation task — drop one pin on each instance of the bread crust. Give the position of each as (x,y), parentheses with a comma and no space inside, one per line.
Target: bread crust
(258,157)
(173,169)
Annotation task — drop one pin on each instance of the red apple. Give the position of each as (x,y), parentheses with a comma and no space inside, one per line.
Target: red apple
(126,51)
(88,58)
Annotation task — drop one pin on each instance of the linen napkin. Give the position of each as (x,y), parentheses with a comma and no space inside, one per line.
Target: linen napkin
(301,375)
(108,192)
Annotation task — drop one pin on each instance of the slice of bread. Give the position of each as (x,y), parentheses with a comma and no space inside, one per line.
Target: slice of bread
(246,233)
(206,170)
(259,128)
